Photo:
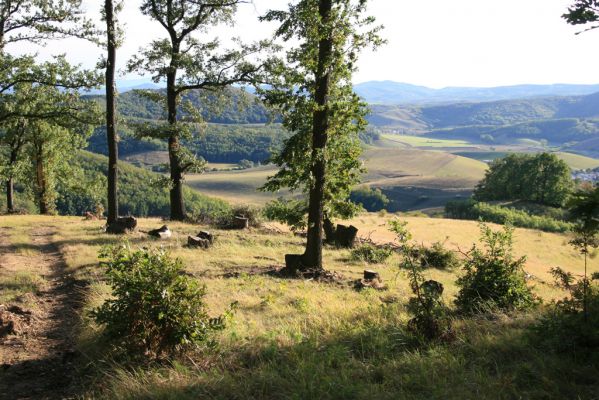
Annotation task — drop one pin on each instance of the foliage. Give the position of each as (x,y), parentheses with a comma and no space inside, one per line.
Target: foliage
(156,309)
(571,324)
(371,254)
(493,279)
(372,200)
(541,178)
(290,212)
(583,12)
(437,256)
(473,210)
(430,316)
(138,193)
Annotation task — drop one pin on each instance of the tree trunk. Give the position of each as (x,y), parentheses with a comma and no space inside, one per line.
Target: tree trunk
(111,128)
(42,187)
(312,257)
(10,196)
(176,191)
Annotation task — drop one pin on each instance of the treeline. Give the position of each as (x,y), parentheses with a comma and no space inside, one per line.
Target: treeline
(214,143)
(237,107)
(140,192)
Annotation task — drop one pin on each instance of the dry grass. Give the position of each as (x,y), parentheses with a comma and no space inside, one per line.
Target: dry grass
(303,339)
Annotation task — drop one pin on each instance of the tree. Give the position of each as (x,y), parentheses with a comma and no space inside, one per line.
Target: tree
(189,64)
(315,96)
(583,12)
(112,42)
(33,21)
(51,137)
(36,21)
(584,211)
(22,106)
(542,178)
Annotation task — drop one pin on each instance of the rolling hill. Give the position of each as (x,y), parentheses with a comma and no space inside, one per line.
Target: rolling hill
(390,92)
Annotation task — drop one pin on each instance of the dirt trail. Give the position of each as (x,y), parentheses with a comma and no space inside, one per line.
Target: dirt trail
(37,360)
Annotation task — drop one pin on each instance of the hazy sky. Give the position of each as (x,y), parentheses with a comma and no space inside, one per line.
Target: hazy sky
(435,43)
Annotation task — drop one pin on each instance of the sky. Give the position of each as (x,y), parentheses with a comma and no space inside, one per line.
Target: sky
(434,43)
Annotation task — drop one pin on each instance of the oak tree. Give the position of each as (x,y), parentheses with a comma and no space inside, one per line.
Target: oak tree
(313,91)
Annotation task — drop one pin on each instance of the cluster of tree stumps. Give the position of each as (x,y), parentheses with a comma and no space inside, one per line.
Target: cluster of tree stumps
(202,240)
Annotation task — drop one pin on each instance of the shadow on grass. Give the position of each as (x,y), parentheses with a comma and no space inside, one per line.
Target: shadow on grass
(369,360)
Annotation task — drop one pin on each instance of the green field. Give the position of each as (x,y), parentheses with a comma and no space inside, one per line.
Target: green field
(426,142)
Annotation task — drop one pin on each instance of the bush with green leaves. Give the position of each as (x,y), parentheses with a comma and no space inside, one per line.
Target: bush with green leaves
(430,316)
(372,200)
(371,254)
(437,256)
(573,322)
(155,309)
(472,210)
(494,279)
(289,212)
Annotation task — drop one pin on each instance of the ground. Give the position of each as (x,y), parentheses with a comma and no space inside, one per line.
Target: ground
(288,338)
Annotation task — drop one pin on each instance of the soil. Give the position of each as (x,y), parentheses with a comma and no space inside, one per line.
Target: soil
(37,347)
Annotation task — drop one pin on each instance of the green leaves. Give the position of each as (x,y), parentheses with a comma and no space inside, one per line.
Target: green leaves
(155,308)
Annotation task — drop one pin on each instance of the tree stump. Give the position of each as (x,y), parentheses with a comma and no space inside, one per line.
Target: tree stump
(370,275)
(345,236)
(122,225)
(293,262)
(241,223)
(194,241)
(329,231)
(161,233)
(207,236)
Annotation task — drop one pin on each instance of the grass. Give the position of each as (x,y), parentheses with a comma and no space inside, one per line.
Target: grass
(426,142)
(300,339)
(576,161)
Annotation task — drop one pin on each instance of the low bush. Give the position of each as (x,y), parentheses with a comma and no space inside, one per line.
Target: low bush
(430,316)
(471,210)
(156,309)
(371,254)
(572,323)
(437,256)
(494,279)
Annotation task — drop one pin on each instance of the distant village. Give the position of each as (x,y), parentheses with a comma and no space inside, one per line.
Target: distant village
(586,175)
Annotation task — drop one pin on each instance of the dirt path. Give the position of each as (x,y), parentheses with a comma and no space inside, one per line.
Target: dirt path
(37,357)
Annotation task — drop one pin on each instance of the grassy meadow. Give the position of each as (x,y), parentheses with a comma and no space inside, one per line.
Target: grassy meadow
(297,339)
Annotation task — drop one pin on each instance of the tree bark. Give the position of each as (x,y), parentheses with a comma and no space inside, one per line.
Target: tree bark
(176,191)
(312,257)
(10,196)
(14,155)
(111,128)
(40,175)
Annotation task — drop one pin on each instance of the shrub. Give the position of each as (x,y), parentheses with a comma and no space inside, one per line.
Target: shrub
(372,200)
(155,309)
(573,322)
(371,254)
(430,316)
(494,279)
(472,210)
(437,256)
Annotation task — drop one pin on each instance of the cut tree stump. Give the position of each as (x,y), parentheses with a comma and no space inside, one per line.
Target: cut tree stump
(345,236)
(206,235)
(195,241)
(241,223)
(122,225)
(293,262)
(162,233)
(370,275)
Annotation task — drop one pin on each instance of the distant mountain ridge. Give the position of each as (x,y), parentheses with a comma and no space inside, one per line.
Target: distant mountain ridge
(390,92)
